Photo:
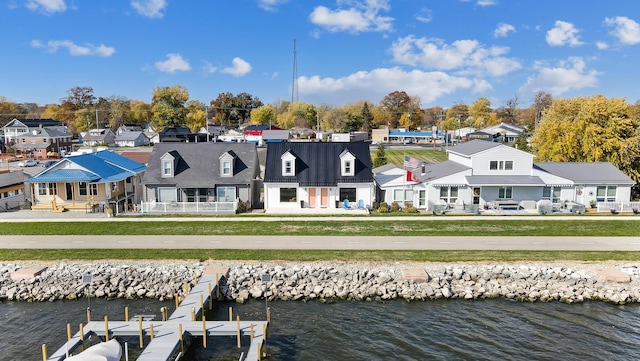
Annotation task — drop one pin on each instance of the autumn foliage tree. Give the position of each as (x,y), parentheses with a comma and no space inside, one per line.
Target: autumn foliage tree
(168,106)
(590,129)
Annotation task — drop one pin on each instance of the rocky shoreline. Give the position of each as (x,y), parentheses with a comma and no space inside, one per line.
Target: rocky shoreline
(327,282)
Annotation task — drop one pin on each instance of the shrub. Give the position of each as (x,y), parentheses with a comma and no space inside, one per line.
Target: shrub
(395,207)
(382,209)
(243,207)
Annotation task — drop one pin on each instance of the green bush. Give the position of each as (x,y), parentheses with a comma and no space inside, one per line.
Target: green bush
(382,209)
(395,207)
(243,207)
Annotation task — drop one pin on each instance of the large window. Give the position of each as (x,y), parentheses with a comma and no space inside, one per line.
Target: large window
(505,193)
(47,189)
(82,189)
(552,194)
(403,195)
(348,193)
(226,194)
(196,194)
(501,165)
(606,194)
(449,194)
(287,195)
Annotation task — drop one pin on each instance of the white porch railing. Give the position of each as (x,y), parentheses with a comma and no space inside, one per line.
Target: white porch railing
(618,206)
(189,207)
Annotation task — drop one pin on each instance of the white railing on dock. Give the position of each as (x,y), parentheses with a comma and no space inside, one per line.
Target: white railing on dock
(620,207)
(189,207)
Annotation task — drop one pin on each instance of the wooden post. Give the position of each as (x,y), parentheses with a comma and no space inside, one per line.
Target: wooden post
(177,300)
(210,296)
(259,353)
(163,310)
(151,334)
(180,334)
(264,340)
(68,331)
(204,331)
(106,328)
(238,323)
(186,288)
(202,304)
(193,313)
(88,314)
(141,336)
(44,352)
(126,313)
(230,314)
(268,319)
(264,330)
(251,332)
(217,288)
(82,337)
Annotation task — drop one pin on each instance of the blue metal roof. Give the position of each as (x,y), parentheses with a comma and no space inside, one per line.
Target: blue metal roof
(103,166)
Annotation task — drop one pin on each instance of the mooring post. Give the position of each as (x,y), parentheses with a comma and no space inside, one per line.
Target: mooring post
(264,340)
(186,289)
(238,323)
(126,313)
(202,304)
(268,318)
(204,331)
(106,328)
(82,337)
(217,287)
(230,314)
(251,332)
(140,329)
(180,333)
(88,314)
(44,352)
(151,331)
(193,313)
(68,331)
(177,300)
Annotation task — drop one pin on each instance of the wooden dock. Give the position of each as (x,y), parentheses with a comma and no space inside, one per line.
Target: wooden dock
(168,334)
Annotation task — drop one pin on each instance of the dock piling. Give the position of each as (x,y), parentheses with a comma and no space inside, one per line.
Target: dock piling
(140,329)
(238,318)
(204,331)
(151,335)
(44,352)
(126,313)
(68,331)
(106,328)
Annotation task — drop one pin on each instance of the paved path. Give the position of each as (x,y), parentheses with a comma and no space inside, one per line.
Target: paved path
(323,242)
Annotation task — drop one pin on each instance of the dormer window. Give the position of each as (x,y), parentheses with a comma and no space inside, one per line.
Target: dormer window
(226,164)
(347,164)
(168,163)
(288,164)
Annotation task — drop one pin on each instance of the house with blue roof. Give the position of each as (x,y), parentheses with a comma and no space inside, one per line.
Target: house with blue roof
(94,181)
(320,177)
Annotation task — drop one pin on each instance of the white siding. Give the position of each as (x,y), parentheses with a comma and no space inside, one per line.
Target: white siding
(522,161)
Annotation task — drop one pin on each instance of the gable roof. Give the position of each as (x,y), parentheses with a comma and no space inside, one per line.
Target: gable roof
(34,123)
(128,135)
(318,163)
(586,172)
(102,166)
(44,133)
(439,170)
(198,164)
(473,147)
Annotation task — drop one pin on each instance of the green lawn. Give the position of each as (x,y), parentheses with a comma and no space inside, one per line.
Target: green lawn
(396,156)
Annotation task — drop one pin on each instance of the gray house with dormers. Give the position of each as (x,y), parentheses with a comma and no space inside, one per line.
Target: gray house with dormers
(318,175)
(182,174)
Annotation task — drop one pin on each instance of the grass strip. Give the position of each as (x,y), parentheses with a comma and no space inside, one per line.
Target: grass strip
(547,227)
(351,256)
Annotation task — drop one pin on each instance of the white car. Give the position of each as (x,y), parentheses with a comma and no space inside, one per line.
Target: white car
(29,163)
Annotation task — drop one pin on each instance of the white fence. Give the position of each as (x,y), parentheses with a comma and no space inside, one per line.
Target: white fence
(618,206)
(189,207)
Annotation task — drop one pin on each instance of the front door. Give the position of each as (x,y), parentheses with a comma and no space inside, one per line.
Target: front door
(312,197)
(69,191)
(476,195)
(324,197)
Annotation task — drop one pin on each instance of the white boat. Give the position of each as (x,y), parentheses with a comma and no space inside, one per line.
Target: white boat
(104,351)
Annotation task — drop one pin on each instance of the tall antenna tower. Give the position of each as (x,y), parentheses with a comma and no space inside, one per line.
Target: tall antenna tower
(294,84)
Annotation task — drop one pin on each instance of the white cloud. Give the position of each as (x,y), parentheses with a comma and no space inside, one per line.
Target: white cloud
(562,34)
(174,63)
(601,45)
(208,68)
(52,46)
(47,7)
(238,68)
(376,84)
(271,5)
(503,30)
(424,15)
(149,8)
(464,56)
(486,2)
(356,17)
(627,31)
(569,74)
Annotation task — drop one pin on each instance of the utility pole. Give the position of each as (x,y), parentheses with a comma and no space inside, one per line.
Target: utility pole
(294,85)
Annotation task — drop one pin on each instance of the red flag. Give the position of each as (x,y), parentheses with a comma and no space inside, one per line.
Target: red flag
(411,177)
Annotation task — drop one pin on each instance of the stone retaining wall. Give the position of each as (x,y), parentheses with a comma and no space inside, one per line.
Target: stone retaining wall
(568,283)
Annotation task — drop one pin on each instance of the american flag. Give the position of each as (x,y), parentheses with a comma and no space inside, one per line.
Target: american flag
(410,162)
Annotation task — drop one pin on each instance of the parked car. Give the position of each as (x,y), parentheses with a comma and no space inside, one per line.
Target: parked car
(49,163)
(29,163)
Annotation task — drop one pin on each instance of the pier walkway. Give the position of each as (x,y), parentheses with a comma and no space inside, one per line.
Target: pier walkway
(166,336)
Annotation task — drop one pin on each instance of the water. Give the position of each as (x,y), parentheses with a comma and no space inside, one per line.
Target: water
(397,330)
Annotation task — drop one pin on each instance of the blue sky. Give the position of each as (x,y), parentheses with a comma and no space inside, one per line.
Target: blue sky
(442,51)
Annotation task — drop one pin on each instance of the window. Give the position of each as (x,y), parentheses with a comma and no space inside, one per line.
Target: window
(449,194)
(166,168)
(347,167)
(287,195)
(422,198)
(347,163)
(47,189)
(288,167)
(226,168)
(403,195)
(551,193)
(501,165)
(606,194)
(348,193)
(505,192)
(82,188)
(226,194)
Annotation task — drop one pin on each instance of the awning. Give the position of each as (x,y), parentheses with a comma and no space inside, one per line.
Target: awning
(447,185)
(505,180)
(12,188)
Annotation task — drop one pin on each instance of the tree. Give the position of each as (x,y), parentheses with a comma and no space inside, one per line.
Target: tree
(334,119)
(480,111)
(541,102)
(234,110)
(265,114)
(84,120)
(591,129)
(78,98)
(380,158)
(140,112)
(394,105)
(168,107)
(510,112)
(457,116)
(10,110)
(119,111)
(196,117)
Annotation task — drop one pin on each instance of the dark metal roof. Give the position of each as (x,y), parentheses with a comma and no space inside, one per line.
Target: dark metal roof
(198,164)
(586,172)
(318,163)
